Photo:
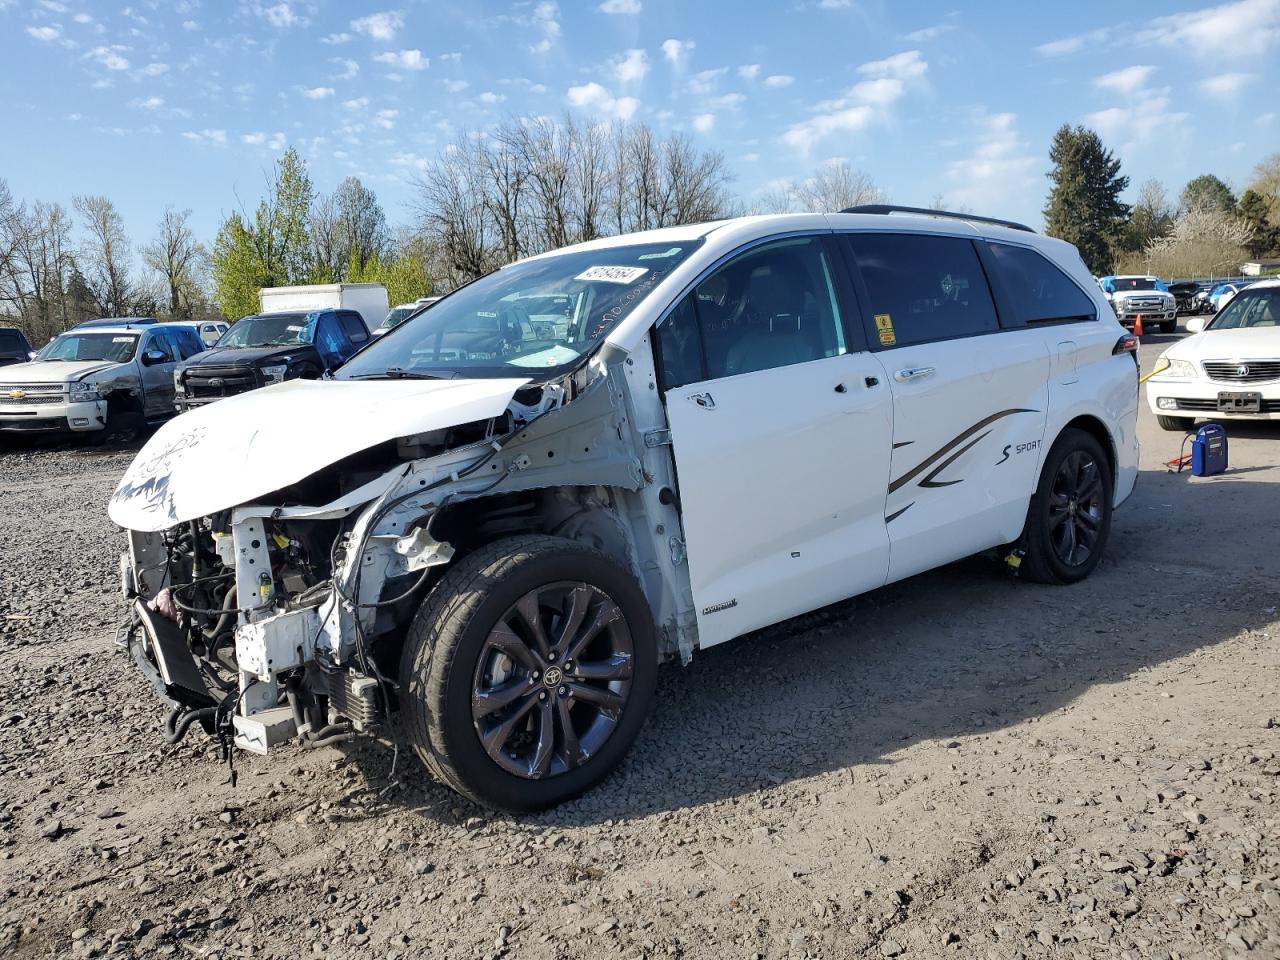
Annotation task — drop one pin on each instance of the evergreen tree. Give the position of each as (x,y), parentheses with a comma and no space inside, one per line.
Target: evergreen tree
(1254,210)
(1084,206)
(1207,192)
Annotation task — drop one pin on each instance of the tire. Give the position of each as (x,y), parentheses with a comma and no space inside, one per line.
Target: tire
(124,423)
(1069,517)
(1176,424)
(450,661)
(1169,326)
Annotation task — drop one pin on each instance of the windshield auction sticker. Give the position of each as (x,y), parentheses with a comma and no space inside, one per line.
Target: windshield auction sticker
(613,274)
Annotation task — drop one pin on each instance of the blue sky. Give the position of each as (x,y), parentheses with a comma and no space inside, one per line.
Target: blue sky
(187,102)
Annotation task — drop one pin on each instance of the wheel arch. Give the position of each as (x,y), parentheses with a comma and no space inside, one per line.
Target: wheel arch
(1098,430)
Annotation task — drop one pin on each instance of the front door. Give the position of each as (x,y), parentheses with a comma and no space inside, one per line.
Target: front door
(157,378)
(781,440)
(969,398)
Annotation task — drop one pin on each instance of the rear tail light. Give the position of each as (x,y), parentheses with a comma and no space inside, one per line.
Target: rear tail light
(1127,344)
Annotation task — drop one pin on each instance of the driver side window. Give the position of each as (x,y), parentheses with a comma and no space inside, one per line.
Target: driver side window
(772,306)
(157,343)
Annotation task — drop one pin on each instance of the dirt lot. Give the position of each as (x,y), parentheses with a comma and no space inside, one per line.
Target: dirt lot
(958,765)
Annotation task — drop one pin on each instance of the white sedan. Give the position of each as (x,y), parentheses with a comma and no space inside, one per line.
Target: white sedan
(1230,369)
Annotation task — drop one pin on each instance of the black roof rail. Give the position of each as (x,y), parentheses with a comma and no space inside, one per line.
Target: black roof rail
(887,208)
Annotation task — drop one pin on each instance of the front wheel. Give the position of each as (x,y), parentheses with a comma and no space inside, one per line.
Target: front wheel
(1176,424)
(1069,517)
(1169,326)
(528,671)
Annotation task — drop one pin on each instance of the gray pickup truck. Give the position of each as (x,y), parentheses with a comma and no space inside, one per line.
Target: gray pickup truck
(102,381)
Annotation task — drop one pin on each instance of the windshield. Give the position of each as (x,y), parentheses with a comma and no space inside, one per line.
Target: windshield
(1250,308)
(1123,284)
(116,347)
(270,330)
(535,317)
(395,315)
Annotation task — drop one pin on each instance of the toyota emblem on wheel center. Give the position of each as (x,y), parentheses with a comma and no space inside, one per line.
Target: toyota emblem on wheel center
(552,677)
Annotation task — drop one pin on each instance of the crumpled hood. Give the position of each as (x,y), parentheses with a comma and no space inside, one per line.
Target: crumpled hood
(239,449)
(1247,343)
(51,371)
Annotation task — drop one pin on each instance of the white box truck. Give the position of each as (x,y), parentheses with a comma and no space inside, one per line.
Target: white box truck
(367,299)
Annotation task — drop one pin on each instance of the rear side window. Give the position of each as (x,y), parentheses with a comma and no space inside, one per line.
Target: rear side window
(1038,291)
(354,327)
(923,288)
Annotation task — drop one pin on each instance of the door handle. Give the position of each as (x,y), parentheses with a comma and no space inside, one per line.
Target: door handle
(913,373)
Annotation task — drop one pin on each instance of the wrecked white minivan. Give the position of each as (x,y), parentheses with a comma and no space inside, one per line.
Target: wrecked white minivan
(500,516)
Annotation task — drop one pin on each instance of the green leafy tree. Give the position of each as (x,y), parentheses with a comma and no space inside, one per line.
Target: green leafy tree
(1255,211)
(1207,192)
(1152,217)
(404,276)
(1084,206)
(271,249)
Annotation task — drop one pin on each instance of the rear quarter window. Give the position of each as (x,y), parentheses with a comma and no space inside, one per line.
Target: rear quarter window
(11,343)
(1037,291)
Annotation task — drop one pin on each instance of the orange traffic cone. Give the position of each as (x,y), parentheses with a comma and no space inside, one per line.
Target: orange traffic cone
(1137,326)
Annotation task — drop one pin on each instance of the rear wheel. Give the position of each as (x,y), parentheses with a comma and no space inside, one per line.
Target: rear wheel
(1069,518)
(528,671)
(1176,424)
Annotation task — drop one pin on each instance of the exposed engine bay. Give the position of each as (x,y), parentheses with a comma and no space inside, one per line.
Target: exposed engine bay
(282,616)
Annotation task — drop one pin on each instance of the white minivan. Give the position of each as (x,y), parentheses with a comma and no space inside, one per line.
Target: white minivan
(500,516)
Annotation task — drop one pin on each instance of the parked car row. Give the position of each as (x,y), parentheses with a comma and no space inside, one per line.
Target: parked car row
(111,376)
(1133,296)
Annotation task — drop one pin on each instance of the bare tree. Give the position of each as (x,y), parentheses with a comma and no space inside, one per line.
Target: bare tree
(454,216)
(179,259)
(105,256)
(1205,241)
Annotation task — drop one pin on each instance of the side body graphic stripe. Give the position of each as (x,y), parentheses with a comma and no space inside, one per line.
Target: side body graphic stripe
(950,445)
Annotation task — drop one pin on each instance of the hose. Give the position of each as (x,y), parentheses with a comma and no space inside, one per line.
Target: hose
(180,720)
(228,616)
(327,736)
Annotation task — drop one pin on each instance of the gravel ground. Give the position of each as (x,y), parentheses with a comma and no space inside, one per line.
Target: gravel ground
(957,765)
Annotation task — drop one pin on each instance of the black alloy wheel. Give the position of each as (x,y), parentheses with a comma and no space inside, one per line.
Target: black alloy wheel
(1076,508)
(1069,516)
(528,671)
(552,680)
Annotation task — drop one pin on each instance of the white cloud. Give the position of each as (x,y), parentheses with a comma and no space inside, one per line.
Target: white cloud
(154,69)
(317,93)
(677,51)
(1069,45)
(777,81)
(334,39)
(1126,80)
(728,101)
(253,139)
(456,86)
(1146,118)
(749,71)
(835,4)
(281,15)
(54,5)
(704,122)
(546,19)
(277,141)
(704,82)
(349,68)
(358,103)
(150,103)
(455,56)
(629,7)
(45,33)
(380,26)
(405,59)
(1226,85)
(861,104)
(1232,30)
(216,137)
(1001,165)
(82,18)
(925,34)
(630,67)
(490,97)
(386,118)
(190,25)
(410,160)
(598,99)
(907,65)
(109,57)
